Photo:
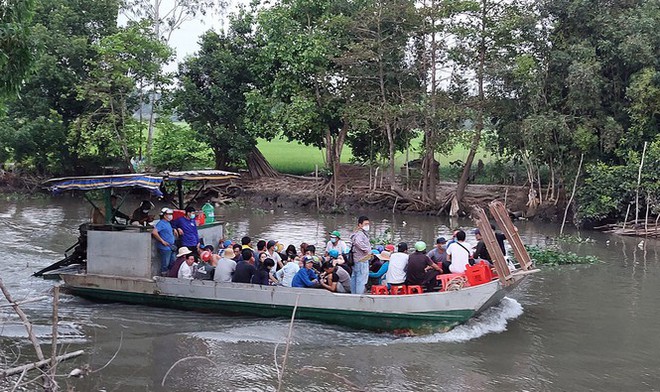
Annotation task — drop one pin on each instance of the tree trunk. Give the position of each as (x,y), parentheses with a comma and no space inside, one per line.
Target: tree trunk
(479,123)
(258,166)
(220,157)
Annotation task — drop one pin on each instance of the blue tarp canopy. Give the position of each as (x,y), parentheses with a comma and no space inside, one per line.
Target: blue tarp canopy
(89,183)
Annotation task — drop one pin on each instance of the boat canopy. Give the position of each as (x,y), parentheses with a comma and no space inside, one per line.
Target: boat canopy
(198,175)
(149,182)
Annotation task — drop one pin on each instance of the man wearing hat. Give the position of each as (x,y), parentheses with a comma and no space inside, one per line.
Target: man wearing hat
(226,266)
(421,270)
(187,229)
(180,259)
(336,243)
(163,234)
(439,255)
(306,277)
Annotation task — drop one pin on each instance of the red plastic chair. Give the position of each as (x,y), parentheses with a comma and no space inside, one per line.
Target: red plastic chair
(415,290)
(379,290)
(398,290)
(478,274)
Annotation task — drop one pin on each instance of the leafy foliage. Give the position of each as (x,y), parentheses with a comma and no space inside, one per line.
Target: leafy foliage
(176,147)
(554,256)
(212,97)
(17,47)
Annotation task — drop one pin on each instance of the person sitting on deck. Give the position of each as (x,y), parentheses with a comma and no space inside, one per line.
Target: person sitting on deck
(459,253)
(285,274)
(330,280)
(246,243)
(186,226)
(311,252)
(164,236)
(180,258)
(271,252)
(141,215)
(187,267)
(439,254)
(396,269)
(306,277)
(226,266)
(237,252)
(262,274)
(480,251)
(206,269)
(421,270)
(244,268)
(336,243)
(383,256)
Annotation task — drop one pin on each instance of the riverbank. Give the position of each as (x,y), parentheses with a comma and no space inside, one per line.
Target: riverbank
(357,191)
(357,195)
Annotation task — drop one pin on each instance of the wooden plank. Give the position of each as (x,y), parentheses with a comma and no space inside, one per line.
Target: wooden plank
(492,246)
(501,216)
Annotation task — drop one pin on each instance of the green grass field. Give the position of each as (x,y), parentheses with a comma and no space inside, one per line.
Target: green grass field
(296,158)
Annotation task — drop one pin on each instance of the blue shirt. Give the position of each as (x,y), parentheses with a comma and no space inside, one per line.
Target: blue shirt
(304,278)
(164,229)
(190,237)
(380,275)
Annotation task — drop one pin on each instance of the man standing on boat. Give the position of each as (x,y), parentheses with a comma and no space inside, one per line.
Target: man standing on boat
(361,252)
(187,229)
(163,233)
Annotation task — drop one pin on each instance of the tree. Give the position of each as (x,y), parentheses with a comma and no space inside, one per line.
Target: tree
(382,82)
(126,59)
(213,88)
(38,121)
(16,44)
(166,16)
(488,35)
(302,88)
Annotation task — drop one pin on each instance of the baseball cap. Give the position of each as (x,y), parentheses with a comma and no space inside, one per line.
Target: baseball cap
(420,246)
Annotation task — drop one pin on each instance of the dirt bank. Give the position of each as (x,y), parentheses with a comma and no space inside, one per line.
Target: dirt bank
(296,192)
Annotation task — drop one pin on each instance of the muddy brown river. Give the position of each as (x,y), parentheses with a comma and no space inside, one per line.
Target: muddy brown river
(572,328)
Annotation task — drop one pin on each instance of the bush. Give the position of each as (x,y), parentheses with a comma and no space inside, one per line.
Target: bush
(176,147)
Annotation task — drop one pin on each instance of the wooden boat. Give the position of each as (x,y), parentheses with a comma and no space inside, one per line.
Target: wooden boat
(122,265)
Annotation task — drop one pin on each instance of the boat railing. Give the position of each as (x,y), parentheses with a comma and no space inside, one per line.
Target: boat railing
(118,227)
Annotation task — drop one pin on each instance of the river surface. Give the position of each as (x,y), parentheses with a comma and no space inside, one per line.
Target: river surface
(571,328)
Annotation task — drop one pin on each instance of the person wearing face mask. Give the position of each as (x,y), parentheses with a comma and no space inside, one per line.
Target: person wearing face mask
(141,214)
(335,243)
(187,229)
(361,252)
(163,234)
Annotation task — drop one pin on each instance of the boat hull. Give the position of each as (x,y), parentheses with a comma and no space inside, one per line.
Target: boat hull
(420,312)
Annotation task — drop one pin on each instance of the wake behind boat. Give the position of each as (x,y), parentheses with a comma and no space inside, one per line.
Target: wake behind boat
(122,264)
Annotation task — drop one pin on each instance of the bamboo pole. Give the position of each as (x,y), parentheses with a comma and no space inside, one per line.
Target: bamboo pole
(639,182)
(570,200)
(53,346)
(501,216)
(288,344)
(38,364)
(492,246)
(26,322)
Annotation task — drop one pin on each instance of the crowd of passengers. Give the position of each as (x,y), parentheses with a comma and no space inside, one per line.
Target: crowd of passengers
(341,266)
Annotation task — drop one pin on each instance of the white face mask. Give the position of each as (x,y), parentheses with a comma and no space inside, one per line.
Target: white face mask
(192,216)
(145,211)
(365,227)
